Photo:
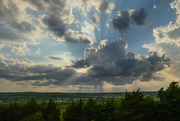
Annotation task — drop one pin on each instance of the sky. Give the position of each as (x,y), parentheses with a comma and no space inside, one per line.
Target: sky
(89,45)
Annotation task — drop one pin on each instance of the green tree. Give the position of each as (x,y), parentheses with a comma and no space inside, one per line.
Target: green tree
(89,110)
(30,108)
(49,110)
(74,112)
(13,112)
(169,104)
(134,106)
(36,117)
(1,112)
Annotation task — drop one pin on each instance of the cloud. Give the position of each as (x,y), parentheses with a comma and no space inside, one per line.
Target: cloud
(21,50)
(126,17)
(169,33)
(122,22)
(9,36)
(167,40)
(95,19)
(1,46)
(25,70)
(81,63)
(76,37)
(139,16)
(103,6)
(57,17)
(8,14)
(24,27)
(172,51)
(55,58)
(55,25)
(18,27)
(112,63)
(174,34)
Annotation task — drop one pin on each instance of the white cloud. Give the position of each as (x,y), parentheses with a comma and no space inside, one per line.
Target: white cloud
(21,50)
(87,28)
(167,40)
(170,33)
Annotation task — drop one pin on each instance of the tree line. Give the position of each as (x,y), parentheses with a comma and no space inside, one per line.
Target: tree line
(132,107)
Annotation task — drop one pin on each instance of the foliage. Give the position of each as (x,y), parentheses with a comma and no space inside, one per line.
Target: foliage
(36,117)
(30,111)
(169,105)
(132,106)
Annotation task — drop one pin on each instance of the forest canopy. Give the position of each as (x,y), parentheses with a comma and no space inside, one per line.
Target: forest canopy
(132,106)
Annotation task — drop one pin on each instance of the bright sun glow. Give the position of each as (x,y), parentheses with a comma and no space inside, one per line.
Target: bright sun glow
(82,70)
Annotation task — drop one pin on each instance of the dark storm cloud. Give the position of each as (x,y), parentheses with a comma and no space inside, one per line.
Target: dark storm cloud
(81,64)
(55,77)
(122,22)
(26,70)
(55,58)
(126,17)
(103,6)
(114,64)
(55,25)
(139,16)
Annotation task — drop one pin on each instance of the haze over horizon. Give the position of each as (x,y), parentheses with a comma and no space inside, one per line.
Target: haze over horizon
(89,45)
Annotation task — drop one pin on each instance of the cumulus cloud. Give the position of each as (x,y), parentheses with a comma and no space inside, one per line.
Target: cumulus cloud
(111,62)
(167,34)
(167,40)
(56,25)
(139,16)
(170,33)
(172,51)
(122,22)
(21,50)
(126,17)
